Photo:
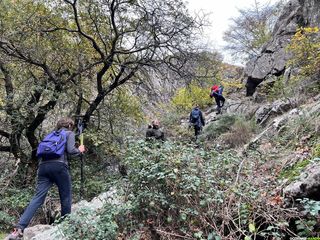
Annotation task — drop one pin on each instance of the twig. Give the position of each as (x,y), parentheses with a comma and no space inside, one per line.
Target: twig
(238,173)
(11,175)
(173,234)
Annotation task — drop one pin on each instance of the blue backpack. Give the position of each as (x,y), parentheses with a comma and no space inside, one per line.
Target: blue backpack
(53,145)
(195,116)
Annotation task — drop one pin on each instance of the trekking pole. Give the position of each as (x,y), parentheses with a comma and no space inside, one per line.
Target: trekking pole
(80,128)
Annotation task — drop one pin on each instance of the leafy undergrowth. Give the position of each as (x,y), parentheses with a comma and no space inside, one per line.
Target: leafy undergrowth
(293,172)
(2,235)
(299,137)
(175,191)
(178,190)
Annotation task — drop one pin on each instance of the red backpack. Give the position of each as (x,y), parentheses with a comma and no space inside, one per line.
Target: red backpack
(214,89)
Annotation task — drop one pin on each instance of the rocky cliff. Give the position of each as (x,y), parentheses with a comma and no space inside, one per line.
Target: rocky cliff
(273,57)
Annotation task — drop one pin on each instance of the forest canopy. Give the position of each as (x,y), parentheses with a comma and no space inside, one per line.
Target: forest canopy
(67,57)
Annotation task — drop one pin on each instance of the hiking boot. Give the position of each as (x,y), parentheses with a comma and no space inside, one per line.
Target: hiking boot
(17,234)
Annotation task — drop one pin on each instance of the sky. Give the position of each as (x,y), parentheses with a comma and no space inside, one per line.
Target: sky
(220,13)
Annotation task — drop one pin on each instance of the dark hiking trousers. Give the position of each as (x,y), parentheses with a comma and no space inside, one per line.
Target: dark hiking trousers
(48,174)
(219,100)
(197,130)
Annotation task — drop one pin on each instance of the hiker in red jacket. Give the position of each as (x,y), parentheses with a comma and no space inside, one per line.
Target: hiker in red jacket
(216,92)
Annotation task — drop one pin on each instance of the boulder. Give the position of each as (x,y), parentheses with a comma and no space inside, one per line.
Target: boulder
(98,202)
(281,106)
(278,107)
(262,113)
(41,232)
(307,185)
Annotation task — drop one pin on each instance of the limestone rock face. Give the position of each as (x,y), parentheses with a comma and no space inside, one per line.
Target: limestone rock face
(273,57)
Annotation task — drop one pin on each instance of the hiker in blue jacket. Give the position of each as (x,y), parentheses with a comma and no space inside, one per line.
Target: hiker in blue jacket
(52,171)
(196,119)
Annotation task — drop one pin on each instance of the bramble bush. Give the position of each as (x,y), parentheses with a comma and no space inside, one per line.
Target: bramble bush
(173,186)
(199,194)
(12,203)
(84,224)
(176,190)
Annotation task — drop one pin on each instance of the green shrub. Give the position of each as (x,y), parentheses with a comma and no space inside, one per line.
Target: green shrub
(17,199)
(305,51)
(240,133)
(173,184)
(6,220)
(215,129)
(109,222)
(294,171)
(188,97)
(12,204)
(85,225)
(186,189)
(306,227)
(316,151)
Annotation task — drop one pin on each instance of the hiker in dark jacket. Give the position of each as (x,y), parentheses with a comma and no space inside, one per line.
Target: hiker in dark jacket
(196,119)
(154,131)
(216,92)
(52,171)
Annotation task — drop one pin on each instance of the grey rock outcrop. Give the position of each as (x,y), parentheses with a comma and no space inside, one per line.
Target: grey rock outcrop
(273,57)
(49,232)
(42,232)
(278,107)
(308,184)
